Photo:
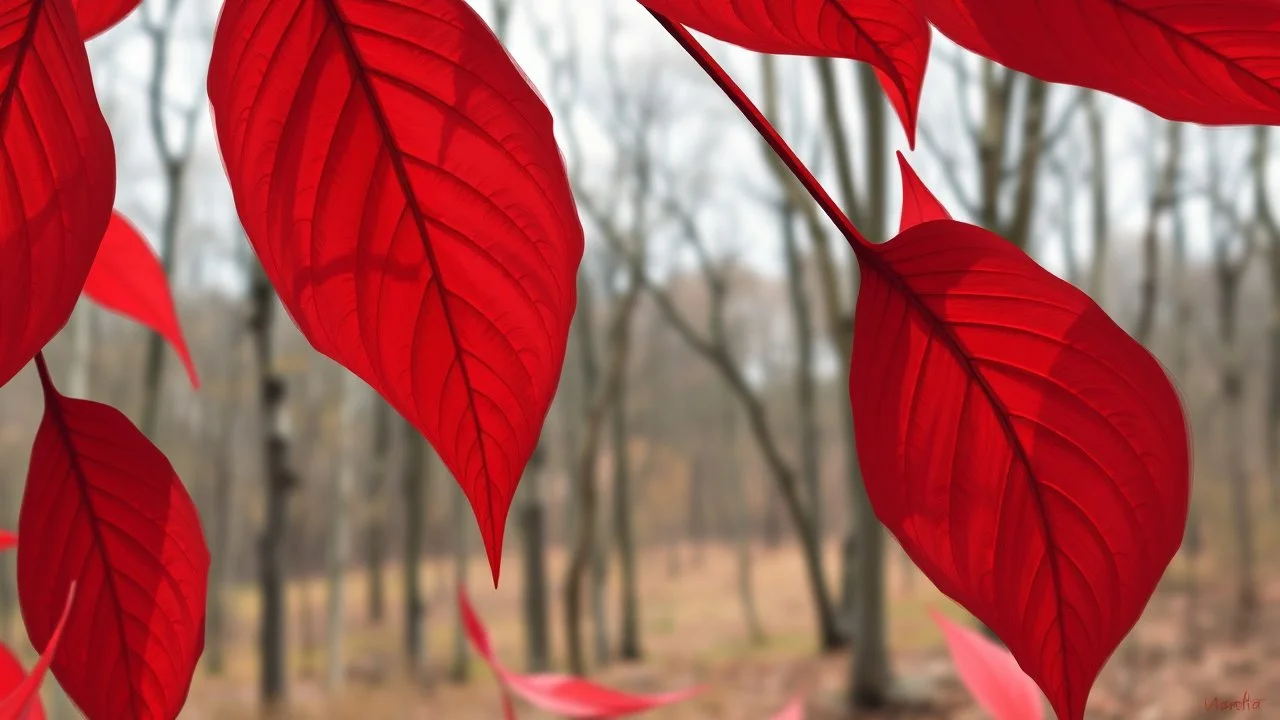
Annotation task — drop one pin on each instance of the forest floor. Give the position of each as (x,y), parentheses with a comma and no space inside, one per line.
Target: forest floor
(693,632)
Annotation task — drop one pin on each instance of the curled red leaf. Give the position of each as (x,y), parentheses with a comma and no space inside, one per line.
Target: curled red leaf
(991,674)
(1030,457)
(129,536)
(127,278)
(398,178)
(890,35)
(97,16)
(1186,60)
(564,695)
(918,203)
(57,175)
(19,691)
(12,675)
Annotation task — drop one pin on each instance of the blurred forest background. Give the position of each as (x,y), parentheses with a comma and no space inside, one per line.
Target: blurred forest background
(694,513)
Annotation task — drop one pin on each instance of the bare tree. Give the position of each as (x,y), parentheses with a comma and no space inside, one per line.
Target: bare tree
(1162,200)
(1233,243)
(414,481)
(375,519)
(460,515)
(280,482)
(532,512)
(174,163)
(343,481)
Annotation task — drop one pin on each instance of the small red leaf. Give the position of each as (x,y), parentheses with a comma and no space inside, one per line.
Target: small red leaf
(127,277)
(57,176)
(19,692)
(563,695)
(12,676)
(128,534)
(399,179)
(1186,60)
(890,35)
(1029,456)
(991,674)
(918,204)
(7,540)
(95,16)
(793,711)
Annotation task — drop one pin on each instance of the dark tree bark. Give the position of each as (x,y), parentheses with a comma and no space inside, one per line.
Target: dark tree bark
(414,480)
(460,668)
(629,647)
(376,508)
(537,621)
(280,482)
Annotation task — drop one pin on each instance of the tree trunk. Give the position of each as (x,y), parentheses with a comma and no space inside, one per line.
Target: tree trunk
(871,674)
(1162,196)
(340,532)
(460,668)
(223,552)
(629,613)
(1100,195)
(537,622)
(603,394)
(806,387)
(736,492)
(280,480)
(376,511)
(414,478)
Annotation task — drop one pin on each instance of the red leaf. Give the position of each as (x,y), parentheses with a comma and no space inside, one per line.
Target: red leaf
(1186,60)
(560,694)
(991,674)
(57,176)
(793,711)
(1028,455)
(918,203)
(399,179)
(19,692)
(128,534)
(890,35)
(7,539)
(95,16)
(127,277)
(12,676)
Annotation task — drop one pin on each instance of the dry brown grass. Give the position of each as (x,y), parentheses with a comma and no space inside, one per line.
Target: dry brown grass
(694,634)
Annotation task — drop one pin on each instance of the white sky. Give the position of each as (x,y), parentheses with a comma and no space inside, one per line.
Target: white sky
(122,62)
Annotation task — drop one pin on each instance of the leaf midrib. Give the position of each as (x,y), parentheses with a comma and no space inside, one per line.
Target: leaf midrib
(873,260)
(395,154)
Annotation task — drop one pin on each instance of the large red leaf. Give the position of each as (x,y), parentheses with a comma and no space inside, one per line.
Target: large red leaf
(127,277)
(19,691)
(1029,456)
(129,536)
(891,35)
(1215,63)
(95,16)
(7,539)
(365,137)
(57,175)
(562,695)
(991,674)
